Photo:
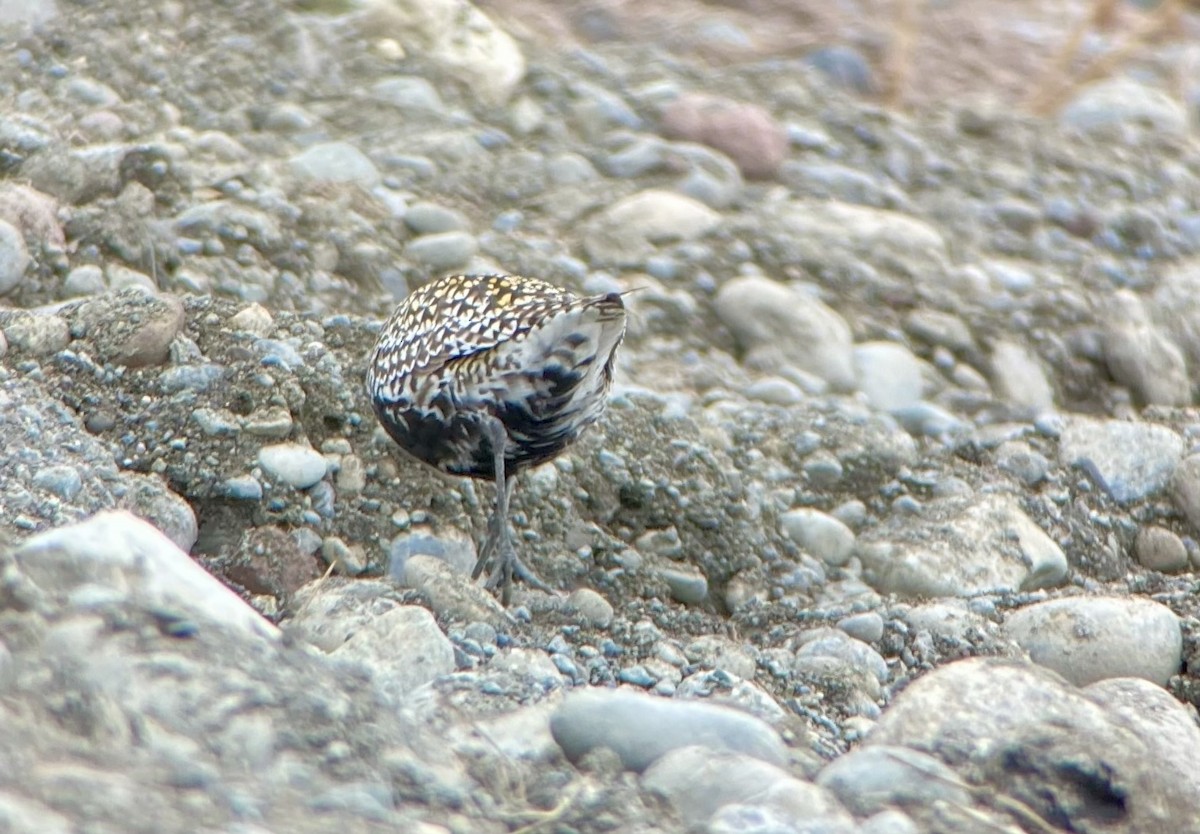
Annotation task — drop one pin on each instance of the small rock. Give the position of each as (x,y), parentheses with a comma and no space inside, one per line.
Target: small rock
(867,626)
(403,647)
(778,327)
(746,133)
(1131,460)
(442,251)
(37,335)
(1087,639)
(821,535)
(1019,379)
(117,550)
(63,481)
(1141,357)
(458,37)
(626,232)
(1018,458)
(293,464)
(408,92)
(430,218)
(871,779)
(890,375)
(451,594)
(14,257)
(253,318)
(131,327)
(640,729)
(453,548)
(687,584)
(84,280)
(593,609)
(961,547)
(845,67)
(1157,548)
(731,792)
(1123,101)
(336,162)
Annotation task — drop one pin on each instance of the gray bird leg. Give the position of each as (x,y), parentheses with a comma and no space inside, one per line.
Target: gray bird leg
(498,557)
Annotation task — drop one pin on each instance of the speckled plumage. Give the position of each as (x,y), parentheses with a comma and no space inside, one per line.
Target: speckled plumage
(468,363)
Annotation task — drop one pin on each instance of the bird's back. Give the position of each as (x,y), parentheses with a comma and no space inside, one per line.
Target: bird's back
(466,347)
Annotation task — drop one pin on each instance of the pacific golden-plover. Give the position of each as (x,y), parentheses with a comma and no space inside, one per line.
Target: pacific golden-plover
(485,375)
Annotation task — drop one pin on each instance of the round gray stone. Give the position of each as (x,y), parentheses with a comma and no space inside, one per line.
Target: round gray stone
(442,250)
(1159,549)
(640,728)
(1088,639)
(821,535)
(14,257)
(293,464)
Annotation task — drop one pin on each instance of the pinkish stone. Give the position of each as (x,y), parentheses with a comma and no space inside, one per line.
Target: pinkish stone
(746,133)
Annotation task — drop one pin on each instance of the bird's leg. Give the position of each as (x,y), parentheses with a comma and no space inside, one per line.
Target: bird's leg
(498,556)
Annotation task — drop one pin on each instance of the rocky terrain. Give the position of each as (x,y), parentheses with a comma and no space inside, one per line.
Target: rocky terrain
(891,526)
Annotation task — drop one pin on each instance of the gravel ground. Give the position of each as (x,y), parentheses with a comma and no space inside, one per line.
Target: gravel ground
(891,525)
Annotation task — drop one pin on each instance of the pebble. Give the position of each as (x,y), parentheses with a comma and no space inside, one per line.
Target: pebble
(120,552)
(14,257)
(987,544)
(892,239)
(275,423)
(335,162)
(1087,639)
(456,550)
(873,778)
(867,626)
(450,593)
(131,327)
(407,93)
(190,377)
(63,481)
(890,375)
(326,614)
(778,327)
(296,465)
(1017,377)
(687,585)
(569,168)
(254,319)
(1133,461)
(1141,356)
(37,335)
(430,218)
(87,279)
(460,40)
(243,488)
(982,710)
(836,644)
(403,647)
(1018,458)
(845,67)
(819,534)
(775,391)
(747,133)
(443,250)
(627,232)
(733,792)
(1157,548)
(641,729)
(1122,101)
(593,609)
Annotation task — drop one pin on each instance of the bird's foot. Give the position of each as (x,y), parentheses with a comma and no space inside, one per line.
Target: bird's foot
(498,559)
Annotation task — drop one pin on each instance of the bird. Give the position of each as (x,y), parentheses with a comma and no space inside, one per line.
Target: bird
(484,376)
